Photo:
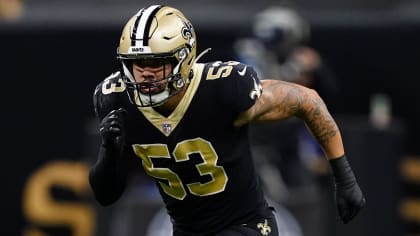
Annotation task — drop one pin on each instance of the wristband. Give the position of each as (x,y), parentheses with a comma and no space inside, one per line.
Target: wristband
(342,172)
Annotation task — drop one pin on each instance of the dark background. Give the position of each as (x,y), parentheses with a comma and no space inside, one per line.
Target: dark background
(49,72)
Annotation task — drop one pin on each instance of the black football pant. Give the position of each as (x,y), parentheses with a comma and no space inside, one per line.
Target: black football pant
(263,227)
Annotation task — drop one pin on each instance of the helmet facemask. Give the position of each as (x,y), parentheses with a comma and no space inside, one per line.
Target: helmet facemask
(154,92)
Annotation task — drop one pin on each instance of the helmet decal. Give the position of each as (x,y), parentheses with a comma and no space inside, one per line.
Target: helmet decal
(187,31)
(142,25)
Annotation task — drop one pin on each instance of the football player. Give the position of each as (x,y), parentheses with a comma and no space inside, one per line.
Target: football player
(186,123)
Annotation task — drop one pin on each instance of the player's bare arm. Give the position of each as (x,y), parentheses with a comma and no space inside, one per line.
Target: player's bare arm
(281,100)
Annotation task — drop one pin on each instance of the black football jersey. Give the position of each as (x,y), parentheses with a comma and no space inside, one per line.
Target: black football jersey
(201,163)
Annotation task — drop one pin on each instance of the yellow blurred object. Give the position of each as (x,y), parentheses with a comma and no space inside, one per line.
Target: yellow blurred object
(11,9)
(410,209)
(410,169)
(40,208)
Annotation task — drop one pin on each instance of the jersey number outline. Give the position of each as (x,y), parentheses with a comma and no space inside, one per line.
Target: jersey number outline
(172,184)
(221,71)
(109,86)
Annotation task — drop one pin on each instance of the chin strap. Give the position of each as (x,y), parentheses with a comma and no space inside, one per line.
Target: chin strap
(201,54)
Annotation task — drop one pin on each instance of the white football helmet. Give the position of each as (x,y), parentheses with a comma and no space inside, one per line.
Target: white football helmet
(157,34)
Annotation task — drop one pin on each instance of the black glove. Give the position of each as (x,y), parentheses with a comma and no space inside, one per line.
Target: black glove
(348,196)
(113,131)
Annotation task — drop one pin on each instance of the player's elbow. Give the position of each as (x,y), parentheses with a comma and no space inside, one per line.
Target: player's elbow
(104,201)
(311,103)
(312,97)
(312,94)
(103,193)
(104,198)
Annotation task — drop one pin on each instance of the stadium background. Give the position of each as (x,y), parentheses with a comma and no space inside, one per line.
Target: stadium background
(55,53)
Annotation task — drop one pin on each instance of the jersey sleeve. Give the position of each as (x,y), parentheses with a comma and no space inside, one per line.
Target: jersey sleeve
(237,84)
(248,86)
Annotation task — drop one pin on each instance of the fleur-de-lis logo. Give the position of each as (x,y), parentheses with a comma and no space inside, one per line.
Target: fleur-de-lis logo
(187,31)
(265,229)
(257,91)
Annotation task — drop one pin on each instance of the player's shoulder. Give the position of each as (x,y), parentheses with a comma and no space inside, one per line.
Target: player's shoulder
(227,70)
(112,83)
(109,94)
(236,83)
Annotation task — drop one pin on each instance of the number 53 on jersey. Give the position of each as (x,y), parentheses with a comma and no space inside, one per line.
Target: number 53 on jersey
(174,185)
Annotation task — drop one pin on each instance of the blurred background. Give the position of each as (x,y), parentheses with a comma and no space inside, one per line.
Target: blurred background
(53,53)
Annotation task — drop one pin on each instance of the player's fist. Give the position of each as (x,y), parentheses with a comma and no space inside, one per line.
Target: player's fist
(349,199)
(348,195)
(112,130)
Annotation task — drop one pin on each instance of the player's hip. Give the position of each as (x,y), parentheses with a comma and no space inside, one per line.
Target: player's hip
(259,223)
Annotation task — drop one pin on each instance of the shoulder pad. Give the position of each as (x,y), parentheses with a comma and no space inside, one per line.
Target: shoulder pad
(107,94)
(218,70)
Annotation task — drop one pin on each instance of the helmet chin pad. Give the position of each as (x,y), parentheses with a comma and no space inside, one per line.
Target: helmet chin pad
(152,99)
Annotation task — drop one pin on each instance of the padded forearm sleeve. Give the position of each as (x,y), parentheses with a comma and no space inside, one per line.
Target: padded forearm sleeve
(107,177)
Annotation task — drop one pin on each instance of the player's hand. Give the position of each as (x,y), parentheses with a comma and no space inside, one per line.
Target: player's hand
(113,131)
(348,195)
(349,200)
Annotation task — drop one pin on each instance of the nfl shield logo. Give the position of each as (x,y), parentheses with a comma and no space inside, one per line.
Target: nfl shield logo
(167,128)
